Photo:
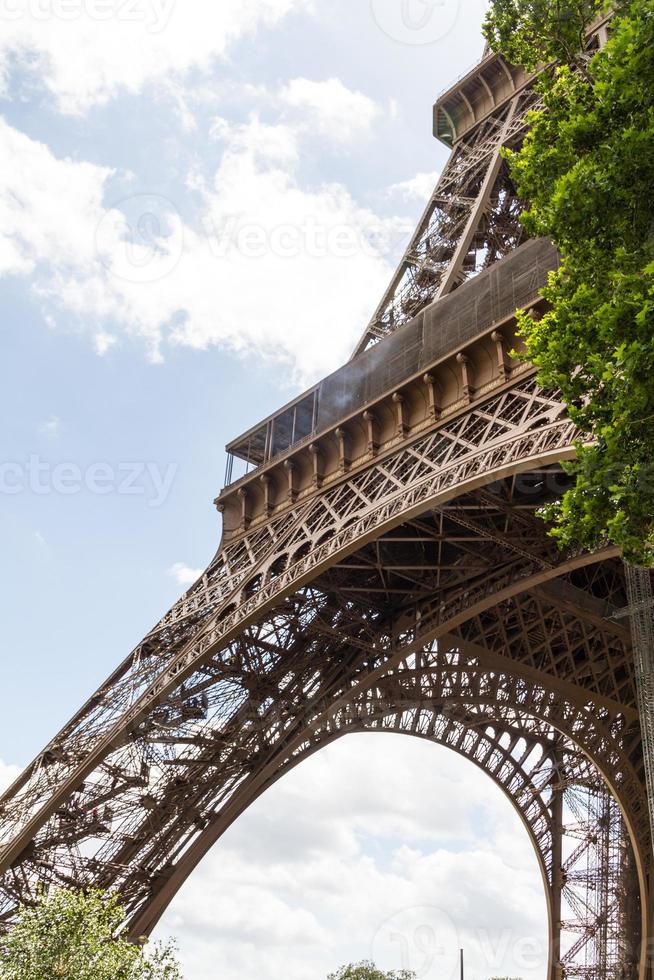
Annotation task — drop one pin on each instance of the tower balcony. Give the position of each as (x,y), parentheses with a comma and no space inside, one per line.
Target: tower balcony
(454,352)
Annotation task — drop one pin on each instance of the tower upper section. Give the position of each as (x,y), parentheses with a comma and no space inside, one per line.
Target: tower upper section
(442,335)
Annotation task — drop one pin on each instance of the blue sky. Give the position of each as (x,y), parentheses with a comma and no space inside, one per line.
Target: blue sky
(200,208)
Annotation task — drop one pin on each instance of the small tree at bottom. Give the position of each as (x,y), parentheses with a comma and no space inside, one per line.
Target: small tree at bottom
(73,936)
(368,971)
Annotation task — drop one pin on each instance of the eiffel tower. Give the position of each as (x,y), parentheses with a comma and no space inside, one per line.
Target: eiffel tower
(383,568)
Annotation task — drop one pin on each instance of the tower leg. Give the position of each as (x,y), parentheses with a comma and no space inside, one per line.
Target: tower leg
(646,950)
(641,605)
(630,915)
(555,969)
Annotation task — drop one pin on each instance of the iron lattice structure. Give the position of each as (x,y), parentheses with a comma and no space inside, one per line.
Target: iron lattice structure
(383,568)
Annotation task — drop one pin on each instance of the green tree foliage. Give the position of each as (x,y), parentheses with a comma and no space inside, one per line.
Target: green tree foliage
(534,32)
(587,171)
(368,971)
(71,936)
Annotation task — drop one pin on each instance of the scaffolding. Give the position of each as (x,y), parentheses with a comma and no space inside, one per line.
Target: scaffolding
(596,853)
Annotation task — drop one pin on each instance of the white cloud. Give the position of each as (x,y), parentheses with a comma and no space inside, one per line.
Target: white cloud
(418,188)
(313,109)
(51,427)
(49,208)
(184,575)
(291,272)
(103,342)
(371,839)
(257,141)
(269,267)
(331,108)
(87,51)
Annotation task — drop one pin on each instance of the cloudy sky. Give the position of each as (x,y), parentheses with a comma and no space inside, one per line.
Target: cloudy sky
(201,204)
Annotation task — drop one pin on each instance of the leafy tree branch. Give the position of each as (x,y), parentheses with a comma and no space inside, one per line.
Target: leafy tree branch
(74,936)
(587,170)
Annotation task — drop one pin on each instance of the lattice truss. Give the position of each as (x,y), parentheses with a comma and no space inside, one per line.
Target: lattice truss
(420,595)
(475,202)
(256,573)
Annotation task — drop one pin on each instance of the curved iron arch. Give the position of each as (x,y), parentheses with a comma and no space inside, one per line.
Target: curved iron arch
(467,737)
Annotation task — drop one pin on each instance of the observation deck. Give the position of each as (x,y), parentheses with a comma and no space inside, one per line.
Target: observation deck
(455,351)
(489,85)
(477,96)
